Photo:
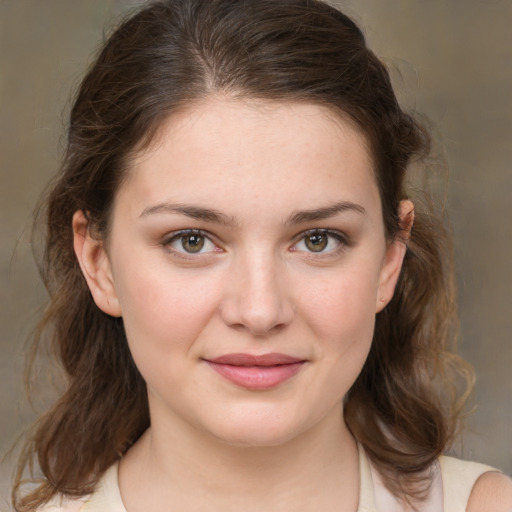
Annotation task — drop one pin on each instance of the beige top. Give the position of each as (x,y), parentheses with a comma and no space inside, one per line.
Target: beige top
(451,487)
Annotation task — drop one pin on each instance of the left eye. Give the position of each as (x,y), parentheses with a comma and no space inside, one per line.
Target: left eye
(319,241)
(191,243)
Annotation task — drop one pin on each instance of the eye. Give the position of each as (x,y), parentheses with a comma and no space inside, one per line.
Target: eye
(190,242)
(320,241)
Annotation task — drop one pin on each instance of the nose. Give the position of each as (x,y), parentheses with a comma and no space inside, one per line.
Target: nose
(256,297)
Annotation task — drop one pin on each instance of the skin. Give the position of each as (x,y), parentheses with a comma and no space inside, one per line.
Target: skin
(271,173)
(492,491)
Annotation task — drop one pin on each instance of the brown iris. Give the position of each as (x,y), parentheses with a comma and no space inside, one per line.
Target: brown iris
(316,242)
(192,243)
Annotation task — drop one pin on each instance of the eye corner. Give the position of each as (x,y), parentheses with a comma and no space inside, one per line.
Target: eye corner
(329,242)
(199,244)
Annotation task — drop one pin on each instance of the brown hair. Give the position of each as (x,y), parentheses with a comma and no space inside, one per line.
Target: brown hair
(168,55)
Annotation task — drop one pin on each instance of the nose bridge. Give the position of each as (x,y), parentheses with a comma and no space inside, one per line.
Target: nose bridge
(257,297)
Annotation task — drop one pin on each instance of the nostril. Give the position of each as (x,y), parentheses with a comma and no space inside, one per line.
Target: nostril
(264,330)
(257,326)
(257,302)
(237,327)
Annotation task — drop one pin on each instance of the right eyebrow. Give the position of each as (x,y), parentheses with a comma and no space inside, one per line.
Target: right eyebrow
(194,212)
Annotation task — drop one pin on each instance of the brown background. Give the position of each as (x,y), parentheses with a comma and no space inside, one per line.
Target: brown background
(451,60)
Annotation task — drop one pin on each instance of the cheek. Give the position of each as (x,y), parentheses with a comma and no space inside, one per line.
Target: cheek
(341,313)
(163,312)
(344,301)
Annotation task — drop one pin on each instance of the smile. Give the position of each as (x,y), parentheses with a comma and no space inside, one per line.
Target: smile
(256,372)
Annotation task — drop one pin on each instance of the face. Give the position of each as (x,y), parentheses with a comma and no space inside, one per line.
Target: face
(248,258)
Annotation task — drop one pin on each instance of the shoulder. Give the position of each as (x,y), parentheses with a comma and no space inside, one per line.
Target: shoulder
(473,487)
(492,491)
(106,496)
(61,504)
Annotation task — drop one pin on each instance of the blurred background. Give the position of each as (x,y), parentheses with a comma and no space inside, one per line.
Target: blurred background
(451,61)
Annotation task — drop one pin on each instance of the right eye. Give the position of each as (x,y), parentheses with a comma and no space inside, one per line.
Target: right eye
(190,242)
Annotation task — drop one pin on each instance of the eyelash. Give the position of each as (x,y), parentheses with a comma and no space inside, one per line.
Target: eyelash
(341,238)
(177,235)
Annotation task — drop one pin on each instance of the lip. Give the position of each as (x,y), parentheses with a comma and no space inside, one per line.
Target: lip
(256,372)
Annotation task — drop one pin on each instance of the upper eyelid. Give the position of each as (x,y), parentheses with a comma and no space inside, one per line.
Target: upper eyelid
(321,230)
(189,231)
(173,235)
(328,231)
(209,234)
(340,235)
(343,242)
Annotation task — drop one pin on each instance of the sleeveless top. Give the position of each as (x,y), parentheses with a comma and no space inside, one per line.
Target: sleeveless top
(452,483)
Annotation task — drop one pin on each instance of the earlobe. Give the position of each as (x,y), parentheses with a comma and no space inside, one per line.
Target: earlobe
(394,257)
(95,266)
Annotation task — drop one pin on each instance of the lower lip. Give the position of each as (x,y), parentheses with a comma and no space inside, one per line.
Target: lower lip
(257,377)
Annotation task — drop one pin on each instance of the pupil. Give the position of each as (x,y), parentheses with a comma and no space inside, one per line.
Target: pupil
(192,243)
(316,243)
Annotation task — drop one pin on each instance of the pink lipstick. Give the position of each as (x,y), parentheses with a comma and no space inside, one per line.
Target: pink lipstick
(256,372)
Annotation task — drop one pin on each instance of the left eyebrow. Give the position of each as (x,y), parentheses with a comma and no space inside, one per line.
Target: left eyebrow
(325,212)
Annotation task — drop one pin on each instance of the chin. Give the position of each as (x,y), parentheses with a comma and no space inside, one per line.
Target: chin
(255,438)
(256,429)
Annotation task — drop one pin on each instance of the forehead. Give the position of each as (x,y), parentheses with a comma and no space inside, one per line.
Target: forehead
(239,149)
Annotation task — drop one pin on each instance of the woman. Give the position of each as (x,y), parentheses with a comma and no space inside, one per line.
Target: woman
(251,312)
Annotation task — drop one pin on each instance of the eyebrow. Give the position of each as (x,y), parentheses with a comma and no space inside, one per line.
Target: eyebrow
(325,212)
(194,212)
(215,216)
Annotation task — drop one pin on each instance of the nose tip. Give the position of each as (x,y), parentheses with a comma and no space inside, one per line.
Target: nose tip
(258,303)
(258,321)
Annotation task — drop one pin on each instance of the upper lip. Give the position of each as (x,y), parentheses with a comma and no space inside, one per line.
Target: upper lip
(271,359)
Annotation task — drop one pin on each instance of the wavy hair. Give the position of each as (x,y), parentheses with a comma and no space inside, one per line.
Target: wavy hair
(404,406)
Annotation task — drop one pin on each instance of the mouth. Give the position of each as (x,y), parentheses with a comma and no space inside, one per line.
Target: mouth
(256,372)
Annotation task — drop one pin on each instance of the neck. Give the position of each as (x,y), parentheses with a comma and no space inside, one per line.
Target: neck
(192,470)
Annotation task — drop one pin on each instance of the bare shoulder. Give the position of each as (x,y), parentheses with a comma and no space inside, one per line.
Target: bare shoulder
(491,492)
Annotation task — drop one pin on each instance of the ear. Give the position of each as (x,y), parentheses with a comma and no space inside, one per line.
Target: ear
(394,257)
(95,265)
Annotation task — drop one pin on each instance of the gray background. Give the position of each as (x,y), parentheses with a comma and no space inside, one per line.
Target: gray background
(450,60)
